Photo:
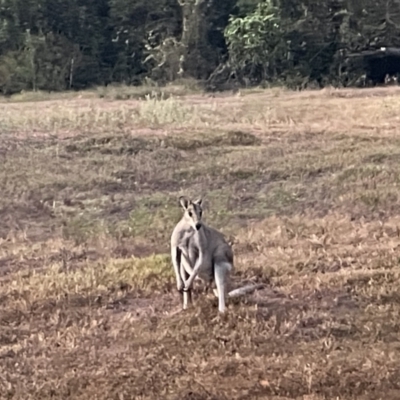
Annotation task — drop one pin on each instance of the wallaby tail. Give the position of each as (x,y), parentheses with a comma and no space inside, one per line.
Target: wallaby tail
(245,290)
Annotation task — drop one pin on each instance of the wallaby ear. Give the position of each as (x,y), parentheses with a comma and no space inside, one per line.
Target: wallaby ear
(199,201)
(184,201)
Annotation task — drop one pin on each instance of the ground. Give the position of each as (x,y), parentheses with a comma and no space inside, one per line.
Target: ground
(304,184)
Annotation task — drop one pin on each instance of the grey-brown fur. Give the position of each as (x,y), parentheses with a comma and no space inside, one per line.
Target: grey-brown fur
(199,251)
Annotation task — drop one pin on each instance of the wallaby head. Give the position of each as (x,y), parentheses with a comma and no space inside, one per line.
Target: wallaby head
(193,211)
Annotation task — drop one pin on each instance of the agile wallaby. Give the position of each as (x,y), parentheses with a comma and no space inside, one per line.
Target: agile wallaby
(199,251)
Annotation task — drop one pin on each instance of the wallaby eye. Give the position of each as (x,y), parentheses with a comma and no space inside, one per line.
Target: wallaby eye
(201,213)
(190,214)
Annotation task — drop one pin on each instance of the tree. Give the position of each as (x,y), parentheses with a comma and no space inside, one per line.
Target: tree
(140,28)
(256,42)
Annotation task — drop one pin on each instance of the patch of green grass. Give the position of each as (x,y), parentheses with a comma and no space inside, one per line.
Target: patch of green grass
(230,138)
(149,90)
(243,174)
(40,95)
(113,144)
(127,144)
(55,282)
(154,112)
(82,227)
(156,215)
(375,198)
(359,173)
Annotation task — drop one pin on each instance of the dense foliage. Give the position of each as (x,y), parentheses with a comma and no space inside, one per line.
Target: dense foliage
(58,44)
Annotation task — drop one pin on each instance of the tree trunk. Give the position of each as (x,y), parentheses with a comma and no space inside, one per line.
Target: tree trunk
(71,72)
(192,21)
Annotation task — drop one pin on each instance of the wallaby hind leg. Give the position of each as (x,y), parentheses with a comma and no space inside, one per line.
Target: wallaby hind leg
(186,294)
(187,298)
(221,273)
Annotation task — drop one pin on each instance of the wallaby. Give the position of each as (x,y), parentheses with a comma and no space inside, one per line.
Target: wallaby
(199,251)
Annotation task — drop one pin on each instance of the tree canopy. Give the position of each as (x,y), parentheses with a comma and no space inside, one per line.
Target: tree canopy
(75,44)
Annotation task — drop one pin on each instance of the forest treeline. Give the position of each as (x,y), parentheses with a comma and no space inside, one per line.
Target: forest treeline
(73,44)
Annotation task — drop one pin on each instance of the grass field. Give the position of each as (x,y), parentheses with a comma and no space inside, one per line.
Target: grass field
(306,186)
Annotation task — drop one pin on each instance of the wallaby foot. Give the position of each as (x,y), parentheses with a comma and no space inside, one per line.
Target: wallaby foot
(187,299)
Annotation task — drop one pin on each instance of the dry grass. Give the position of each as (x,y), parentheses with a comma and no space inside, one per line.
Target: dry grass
(305,184)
